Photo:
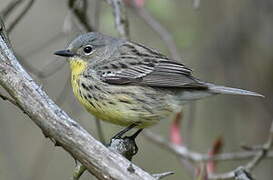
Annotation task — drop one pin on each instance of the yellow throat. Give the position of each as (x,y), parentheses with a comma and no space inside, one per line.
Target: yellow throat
(77,66)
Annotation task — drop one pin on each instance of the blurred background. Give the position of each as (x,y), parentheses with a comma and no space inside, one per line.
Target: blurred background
(227,42)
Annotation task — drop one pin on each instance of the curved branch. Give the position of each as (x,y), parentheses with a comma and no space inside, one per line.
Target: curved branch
(57,125)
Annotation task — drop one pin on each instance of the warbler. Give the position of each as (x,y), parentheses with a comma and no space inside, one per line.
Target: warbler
(129,84)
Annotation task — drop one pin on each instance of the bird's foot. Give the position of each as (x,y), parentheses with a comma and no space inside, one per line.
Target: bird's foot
(126,146)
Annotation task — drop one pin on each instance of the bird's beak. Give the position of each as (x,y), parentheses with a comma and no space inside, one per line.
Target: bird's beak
(65,53)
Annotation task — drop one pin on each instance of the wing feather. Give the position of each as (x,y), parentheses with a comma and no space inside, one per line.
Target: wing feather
(137,64)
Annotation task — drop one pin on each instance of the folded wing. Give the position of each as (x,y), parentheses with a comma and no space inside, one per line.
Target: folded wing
(137,64)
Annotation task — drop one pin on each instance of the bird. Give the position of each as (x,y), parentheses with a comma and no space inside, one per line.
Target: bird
(132,85)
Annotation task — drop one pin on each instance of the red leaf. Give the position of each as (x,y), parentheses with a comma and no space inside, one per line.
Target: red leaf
(216,149)
(175,134)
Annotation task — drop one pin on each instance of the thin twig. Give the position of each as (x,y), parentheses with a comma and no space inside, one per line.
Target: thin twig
(20,15)
(100,131)
(96,15)
(227,175)
(190,124)
(183,152)
(263,151)
(160,30)
(9,8)
(79,9)
(243,172)
(239,174)
(121,20)
(162,175)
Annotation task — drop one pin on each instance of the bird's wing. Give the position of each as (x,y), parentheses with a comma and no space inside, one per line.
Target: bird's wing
(137,64)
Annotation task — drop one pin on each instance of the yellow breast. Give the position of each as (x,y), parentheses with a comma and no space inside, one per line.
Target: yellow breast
(114,108)
(107,112)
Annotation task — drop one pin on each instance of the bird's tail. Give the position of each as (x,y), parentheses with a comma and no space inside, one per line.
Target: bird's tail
(227,90)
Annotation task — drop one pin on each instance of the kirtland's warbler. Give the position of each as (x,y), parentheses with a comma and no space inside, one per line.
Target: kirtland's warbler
(127,83)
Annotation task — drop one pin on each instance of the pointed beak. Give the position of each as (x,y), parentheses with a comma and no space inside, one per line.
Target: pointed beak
(65,53)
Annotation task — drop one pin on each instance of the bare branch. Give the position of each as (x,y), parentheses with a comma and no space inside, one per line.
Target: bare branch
(160,30)
(96,15)
(121,20)
(20,16)
(239,174)
(56,124)
(263,151)
(162,175)
(227,175)
(185,153)
(243,172)
(79,8)
(10,7)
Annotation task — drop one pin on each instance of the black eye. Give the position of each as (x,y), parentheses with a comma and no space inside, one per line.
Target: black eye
(87,49)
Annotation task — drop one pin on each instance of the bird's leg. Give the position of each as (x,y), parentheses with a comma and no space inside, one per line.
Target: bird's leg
(119,134)
(133,137)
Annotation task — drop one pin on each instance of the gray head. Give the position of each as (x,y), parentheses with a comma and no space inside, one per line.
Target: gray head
(88,46)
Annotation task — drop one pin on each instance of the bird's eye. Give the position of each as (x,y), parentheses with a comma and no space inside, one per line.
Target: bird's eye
(87,49)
